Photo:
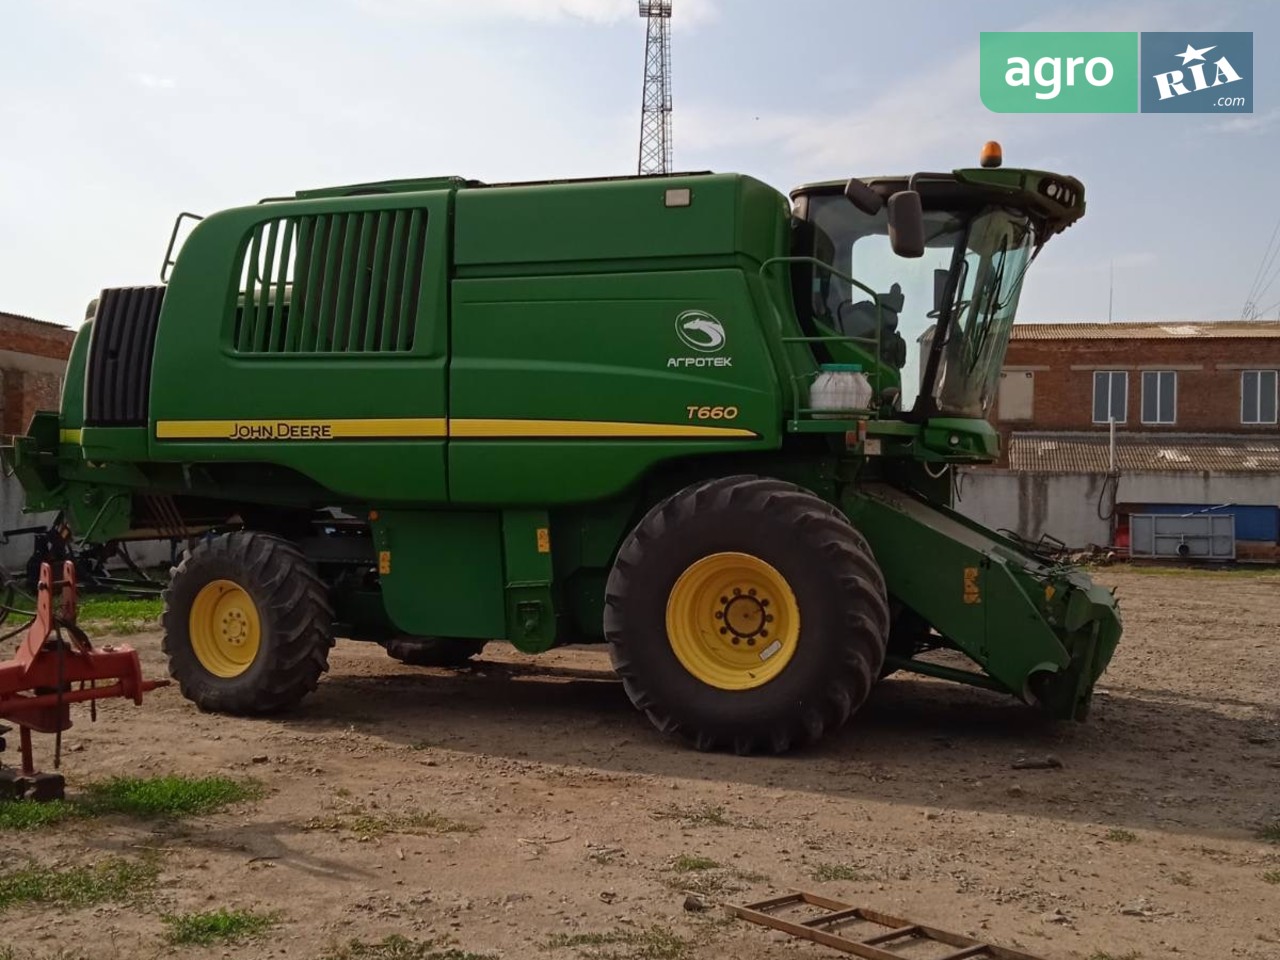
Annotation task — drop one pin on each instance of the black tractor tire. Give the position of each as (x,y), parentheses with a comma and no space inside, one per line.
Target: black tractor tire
(838,590)
(434,651)
(295,620)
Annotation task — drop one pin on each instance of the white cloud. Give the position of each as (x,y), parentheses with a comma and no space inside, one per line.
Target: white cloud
(1248,123)
(152,82)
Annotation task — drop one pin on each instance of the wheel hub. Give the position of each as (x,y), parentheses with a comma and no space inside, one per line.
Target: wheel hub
(225,630)
(746,616)
(733,621)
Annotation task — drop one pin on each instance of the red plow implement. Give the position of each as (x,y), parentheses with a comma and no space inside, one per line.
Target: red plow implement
(54,667)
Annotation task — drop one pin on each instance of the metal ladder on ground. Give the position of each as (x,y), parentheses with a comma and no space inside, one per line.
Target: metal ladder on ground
(864,932)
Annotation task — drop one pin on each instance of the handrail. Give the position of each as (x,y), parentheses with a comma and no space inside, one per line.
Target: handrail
(796,406)
(169,260)
(829,268)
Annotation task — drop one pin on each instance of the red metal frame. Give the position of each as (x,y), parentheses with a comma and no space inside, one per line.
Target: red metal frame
(50,672)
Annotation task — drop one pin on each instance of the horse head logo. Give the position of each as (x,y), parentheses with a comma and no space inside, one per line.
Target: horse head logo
(700,331)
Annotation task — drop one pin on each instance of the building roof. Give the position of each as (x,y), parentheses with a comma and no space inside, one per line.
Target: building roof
(1170,330)
(1143,453)
(23,319)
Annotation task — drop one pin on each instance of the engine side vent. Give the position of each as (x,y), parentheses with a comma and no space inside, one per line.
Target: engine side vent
(332,283)
(124,341)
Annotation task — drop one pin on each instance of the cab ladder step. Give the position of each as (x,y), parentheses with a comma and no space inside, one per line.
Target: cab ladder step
(878,934)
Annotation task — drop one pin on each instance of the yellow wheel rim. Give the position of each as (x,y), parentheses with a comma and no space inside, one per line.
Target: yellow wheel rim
(225,630)
(732,621)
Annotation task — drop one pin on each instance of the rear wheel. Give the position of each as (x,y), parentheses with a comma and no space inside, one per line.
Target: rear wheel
(247,624)
(746,613)
(434,651)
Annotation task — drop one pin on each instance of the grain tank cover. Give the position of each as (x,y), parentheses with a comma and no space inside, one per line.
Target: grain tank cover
(701,215)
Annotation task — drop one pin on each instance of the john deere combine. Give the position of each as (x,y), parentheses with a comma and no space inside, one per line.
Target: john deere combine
(428,413)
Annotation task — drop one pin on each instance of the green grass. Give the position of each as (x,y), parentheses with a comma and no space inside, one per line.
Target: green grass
(114,880)
(1121,836)
(116,609)
(1271,876)
(368,824)
(28,815)
(1270,833)
(144,798)
(825,872)
(653,943)
(688,864)
(121,613)
(217,926)
(166,797)
(704,876)
(396,947)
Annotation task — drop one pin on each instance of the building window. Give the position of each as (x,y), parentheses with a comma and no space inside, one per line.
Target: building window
(1159,396)
(1258,396)
(1110,396)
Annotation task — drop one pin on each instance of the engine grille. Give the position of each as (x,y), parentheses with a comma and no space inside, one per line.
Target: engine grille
(124,339)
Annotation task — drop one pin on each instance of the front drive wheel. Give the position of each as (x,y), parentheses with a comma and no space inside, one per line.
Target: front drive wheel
(746,613)
(247,624)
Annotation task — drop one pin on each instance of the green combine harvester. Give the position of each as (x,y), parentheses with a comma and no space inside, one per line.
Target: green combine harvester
(679,415)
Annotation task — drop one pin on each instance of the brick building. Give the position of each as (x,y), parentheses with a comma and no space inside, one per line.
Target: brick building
(33,357)
(1157,379)
(1195,412)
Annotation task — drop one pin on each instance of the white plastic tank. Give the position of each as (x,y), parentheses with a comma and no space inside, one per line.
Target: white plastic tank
(840,388)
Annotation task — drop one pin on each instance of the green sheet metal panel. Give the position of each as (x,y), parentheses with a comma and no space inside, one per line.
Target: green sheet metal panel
(442,572)
(367,422)
(593,221)
(569,388)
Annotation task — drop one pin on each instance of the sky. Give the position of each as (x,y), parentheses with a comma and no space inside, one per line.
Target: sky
(116,116)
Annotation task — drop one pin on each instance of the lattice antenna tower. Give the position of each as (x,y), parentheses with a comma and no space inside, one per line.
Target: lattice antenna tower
(655,112)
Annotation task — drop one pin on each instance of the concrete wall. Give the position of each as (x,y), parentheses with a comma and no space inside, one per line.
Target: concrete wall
(1065,505)
(1031,504)
(13,555)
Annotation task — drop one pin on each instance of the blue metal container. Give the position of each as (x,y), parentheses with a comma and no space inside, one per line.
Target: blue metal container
(1253,523)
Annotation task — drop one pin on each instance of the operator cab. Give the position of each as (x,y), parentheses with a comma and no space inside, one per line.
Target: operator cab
(956,292)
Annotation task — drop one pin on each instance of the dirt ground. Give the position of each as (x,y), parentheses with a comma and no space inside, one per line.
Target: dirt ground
(1145,843)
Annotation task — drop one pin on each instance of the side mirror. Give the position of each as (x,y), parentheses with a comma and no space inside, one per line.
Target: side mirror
(863,197)
(906,224)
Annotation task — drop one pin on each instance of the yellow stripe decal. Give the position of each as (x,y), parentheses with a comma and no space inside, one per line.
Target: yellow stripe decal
(587,428)
(300,429)
(436,427)
(69,436)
